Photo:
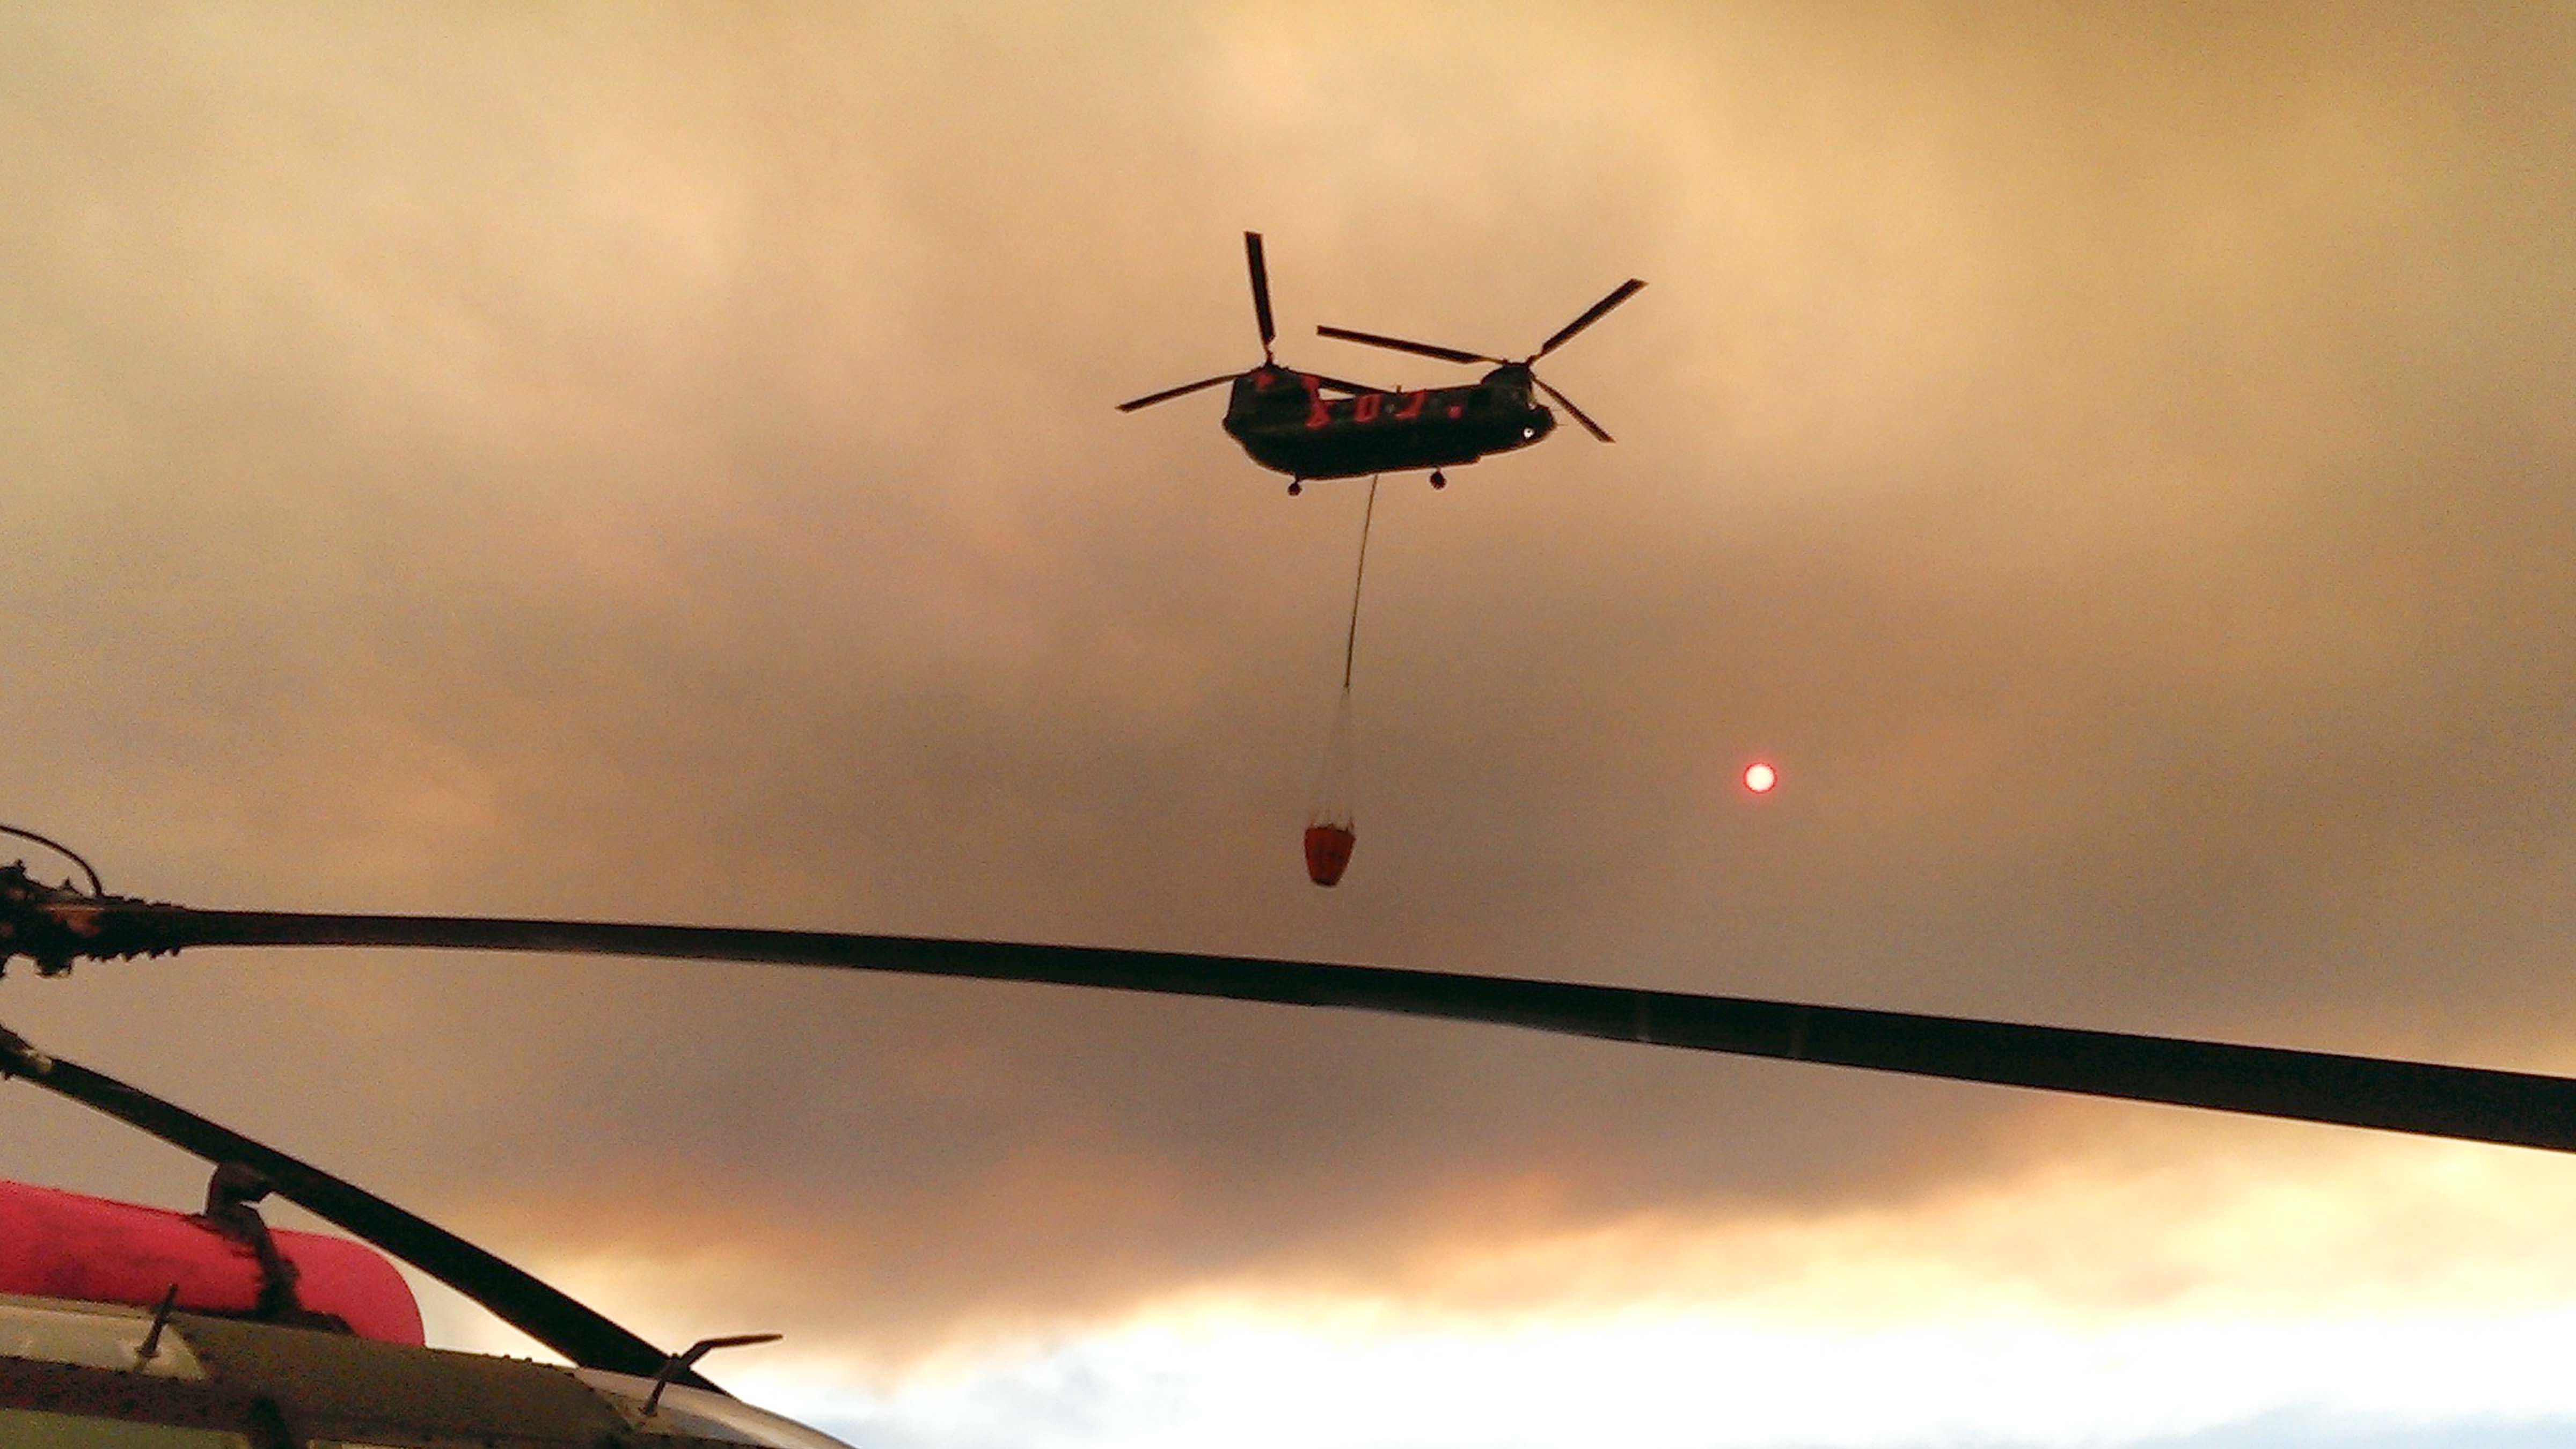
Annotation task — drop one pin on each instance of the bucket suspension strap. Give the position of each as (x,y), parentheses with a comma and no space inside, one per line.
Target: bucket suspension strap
(1351,643)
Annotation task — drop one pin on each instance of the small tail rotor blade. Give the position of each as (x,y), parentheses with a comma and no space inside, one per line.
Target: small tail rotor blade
(1568,404)
(1169,393)
(1260,289)
(1422,349)
(1619,294)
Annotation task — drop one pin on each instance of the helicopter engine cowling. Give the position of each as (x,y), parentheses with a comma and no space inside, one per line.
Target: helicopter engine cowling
(56,1244)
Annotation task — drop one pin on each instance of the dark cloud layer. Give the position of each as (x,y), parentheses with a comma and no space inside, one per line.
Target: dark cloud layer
(659,464)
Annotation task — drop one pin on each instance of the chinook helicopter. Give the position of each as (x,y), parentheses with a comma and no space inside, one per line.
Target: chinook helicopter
(126,1327)
(1283,420)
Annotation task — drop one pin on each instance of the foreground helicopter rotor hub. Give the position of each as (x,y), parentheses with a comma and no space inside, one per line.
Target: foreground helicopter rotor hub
(54,926)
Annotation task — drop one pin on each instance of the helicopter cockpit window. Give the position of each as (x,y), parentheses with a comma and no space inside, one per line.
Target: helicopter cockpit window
(39,1430)
(103,1338)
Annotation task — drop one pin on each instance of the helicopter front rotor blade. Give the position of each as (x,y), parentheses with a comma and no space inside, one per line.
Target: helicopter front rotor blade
(1260,288)
(2468,1103)
(1169,393)
(1594,313)
(1568,403)
(526,1303)
(1425,349)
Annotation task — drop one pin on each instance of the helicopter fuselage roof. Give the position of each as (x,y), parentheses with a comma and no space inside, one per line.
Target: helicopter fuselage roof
(73,1374)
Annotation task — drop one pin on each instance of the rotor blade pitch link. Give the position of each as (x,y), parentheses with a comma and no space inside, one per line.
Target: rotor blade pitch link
(96,888)
(2430,1099)
(525,1302)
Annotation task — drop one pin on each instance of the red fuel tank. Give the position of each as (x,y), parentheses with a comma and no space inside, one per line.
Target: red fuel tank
(65,1245)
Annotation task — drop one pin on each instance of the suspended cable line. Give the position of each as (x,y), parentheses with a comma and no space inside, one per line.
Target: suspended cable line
(1329,836)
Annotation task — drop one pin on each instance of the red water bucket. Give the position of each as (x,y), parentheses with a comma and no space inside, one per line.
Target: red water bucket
(1328,852)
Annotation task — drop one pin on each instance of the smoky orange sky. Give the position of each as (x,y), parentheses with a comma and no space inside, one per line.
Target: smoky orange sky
(659,463)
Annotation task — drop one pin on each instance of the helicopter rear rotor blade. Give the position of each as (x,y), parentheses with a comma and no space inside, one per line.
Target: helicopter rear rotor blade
(1260,288)
(544,1313)
(1169,393)
(1568,404)
(1335,384)
(1425,349)
(1592,314)
(2468,1103)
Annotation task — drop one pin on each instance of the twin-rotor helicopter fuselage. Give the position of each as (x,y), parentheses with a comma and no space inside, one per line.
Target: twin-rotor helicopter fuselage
(1285,421)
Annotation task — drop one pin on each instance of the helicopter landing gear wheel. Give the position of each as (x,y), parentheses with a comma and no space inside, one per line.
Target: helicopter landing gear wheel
(1296,488)
(1439,479)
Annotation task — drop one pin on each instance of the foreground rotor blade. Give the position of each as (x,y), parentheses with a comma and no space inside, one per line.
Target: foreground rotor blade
(1169,393)
(1426,349)
(1618,294)
(1260,288)
(2469,1103)
(1580,415)
(543,1313)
